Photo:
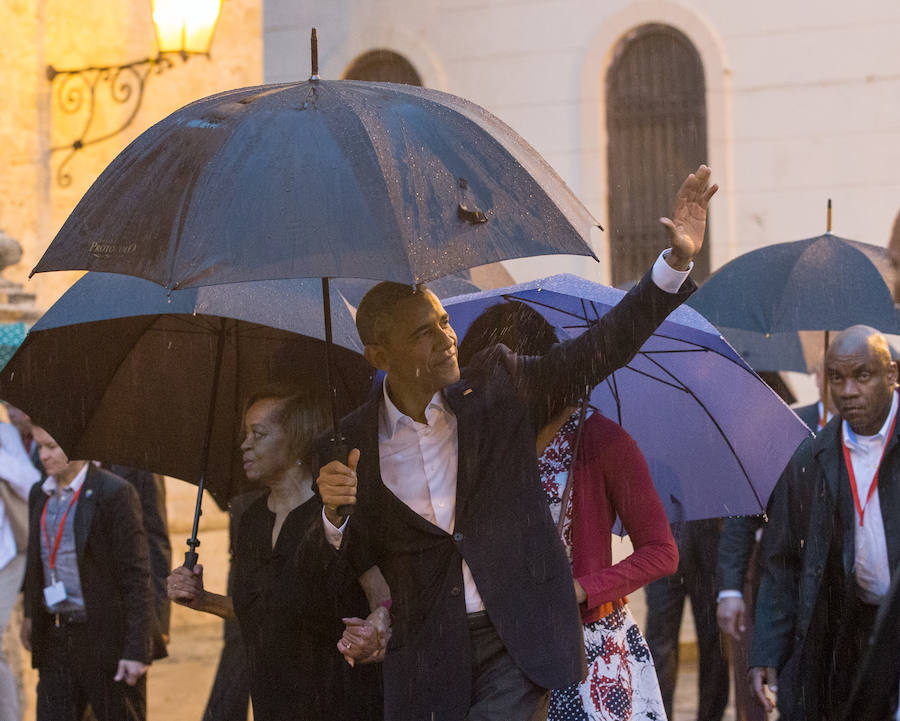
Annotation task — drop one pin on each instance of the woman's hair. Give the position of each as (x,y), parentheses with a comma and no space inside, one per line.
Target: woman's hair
(302,413)
(517,325)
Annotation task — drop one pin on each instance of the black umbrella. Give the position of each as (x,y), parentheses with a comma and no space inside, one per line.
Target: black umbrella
(119,370)
(821,283)
(320,179)
(799,351)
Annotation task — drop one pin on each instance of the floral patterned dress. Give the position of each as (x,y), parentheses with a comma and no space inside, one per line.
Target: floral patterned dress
(621,683)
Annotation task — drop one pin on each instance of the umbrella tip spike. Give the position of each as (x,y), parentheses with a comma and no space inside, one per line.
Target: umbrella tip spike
(828,218)
(314,54)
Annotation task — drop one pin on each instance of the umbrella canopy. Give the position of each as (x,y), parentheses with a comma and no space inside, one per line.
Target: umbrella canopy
(821,283)
(320,179)
(739,435)
(799,351)
(119,370)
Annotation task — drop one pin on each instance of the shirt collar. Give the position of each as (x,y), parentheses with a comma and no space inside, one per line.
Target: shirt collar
(392,416)
(49,485)
(820,407)
(852,439)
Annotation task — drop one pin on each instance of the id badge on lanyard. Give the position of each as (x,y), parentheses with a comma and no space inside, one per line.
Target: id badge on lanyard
(56,592)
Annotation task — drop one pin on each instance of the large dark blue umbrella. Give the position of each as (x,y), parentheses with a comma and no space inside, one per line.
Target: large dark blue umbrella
(120,370)
(324,179)
(715,436)
(823,283)
(321,178)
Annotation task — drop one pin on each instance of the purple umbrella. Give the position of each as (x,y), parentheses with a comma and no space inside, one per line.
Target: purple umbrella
(715,436)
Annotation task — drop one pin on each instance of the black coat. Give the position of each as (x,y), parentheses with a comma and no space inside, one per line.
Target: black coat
(291,622)
(503,526)
(809,415)
(113,565)
(151,491)
(878,678)
(808,555)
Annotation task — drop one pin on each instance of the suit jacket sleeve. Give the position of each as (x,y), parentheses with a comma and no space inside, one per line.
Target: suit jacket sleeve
(32,584)
(616,461)
(560,378)
(735,548)
(152,495)
(782,560)
(127,545)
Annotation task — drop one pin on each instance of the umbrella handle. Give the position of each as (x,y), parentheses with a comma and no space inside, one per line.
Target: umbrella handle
(338,450)
(191,556)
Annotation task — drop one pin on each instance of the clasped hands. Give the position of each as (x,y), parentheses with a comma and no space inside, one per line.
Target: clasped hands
(365,639)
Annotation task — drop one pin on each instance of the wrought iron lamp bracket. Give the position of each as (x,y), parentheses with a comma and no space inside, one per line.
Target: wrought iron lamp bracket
(76,88)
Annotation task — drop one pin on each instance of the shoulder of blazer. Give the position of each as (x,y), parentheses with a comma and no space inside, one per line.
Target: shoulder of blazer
(104,484)
(36,493)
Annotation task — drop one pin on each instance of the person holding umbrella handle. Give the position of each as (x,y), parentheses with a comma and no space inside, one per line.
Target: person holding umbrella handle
(450,507)
(287,615)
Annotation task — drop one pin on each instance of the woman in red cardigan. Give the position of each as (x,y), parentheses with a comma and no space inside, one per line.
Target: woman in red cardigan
(608,477)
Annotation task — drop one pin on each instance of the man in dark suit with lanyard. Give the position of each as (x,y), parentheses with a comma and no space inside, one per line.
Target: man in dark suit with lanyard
(738,572)
(833,537)
(88,603)
(450,505)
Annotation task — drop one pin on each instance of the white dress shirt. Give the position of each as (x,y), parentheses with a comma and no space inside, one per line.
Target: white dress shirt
(17,470)
(873,573)
(410,452)
(821,409)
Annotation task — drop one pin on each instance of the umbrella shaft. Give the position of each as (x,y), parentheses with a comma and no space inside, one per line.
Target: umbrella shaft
(191,556)
(332,394)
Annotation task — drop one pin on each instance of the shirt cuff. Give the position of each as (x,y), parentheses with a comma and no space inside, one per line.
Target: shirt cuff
(665,276)
(728,594)
(333,534)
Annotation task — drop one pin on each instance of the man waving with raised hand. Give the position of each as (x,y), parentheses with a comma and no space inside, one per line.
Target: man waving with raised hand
(447,500)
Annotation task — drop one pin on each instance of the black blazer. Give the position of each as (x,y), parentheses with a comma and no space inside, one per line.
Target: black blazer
(808,557)
(503,527)
(113,565)
(809,415)
(151,489)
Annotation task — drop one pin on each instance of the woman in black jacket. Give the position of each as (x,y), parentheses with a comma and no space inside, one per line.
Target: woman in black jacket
(290,617)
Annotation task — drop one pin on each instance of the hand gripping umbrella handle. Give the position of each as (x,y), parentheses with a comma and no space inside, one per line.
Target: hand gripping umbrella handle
(338,450)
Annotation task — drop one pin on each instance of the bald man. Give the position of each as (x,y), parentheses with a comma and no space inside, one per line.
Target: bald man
(833,537)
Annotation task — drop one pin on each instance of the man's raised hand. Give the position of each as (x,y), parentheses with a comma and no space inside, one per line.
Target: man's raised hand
(688,222)
(337,486)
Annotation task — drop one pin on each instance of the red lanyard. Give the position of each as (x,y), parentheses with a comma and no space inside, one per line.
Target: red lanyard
(59,530)
(861,509)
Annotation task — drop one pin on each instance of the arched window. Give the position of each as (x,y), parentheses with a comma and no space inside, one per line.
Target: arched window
(656,123)
(383,66)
